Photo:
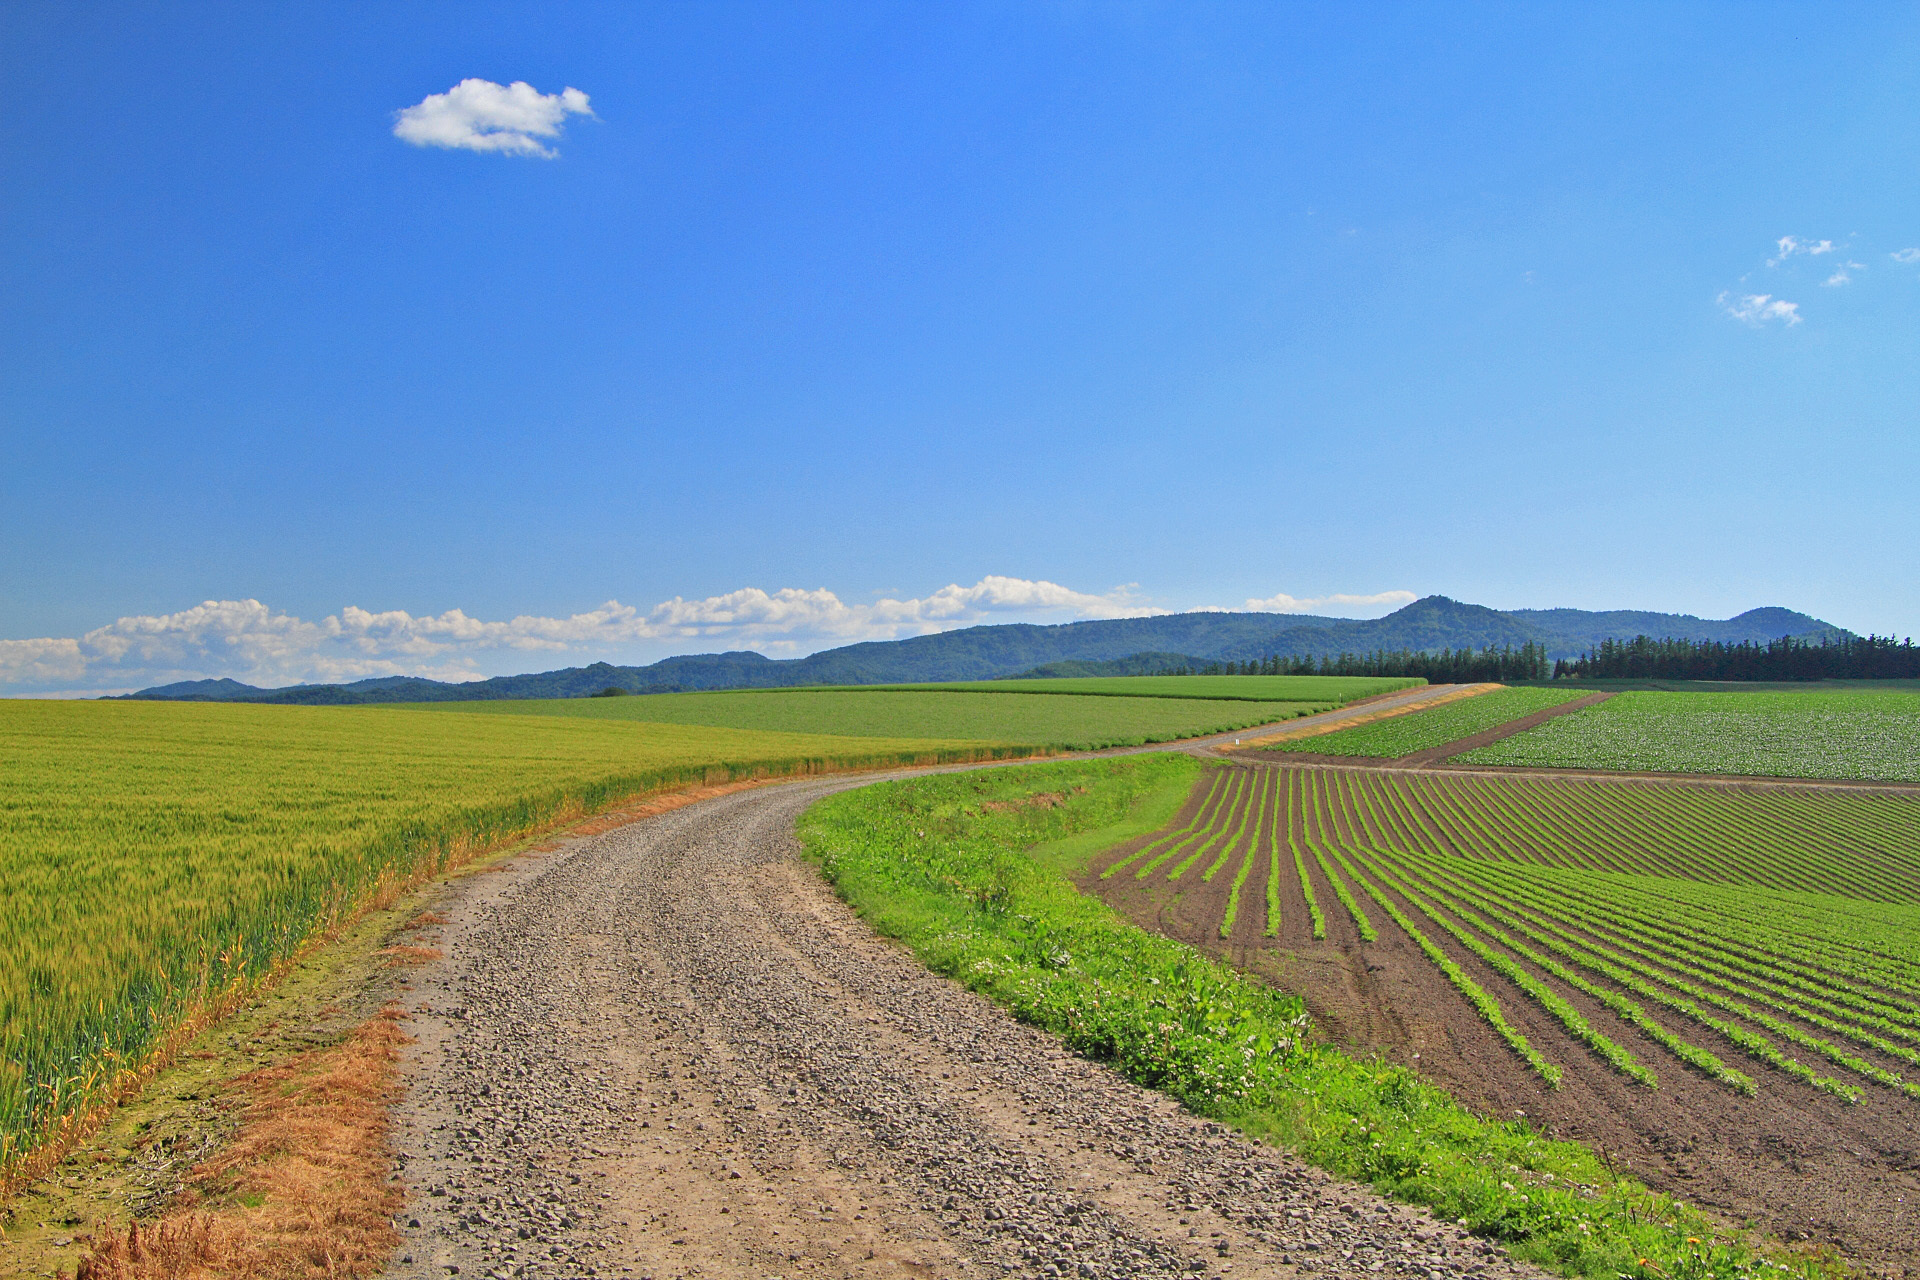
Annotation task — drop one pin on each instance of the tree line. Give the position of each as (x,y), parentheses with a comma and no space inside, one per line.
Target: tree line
(1833,658)
(1443,666)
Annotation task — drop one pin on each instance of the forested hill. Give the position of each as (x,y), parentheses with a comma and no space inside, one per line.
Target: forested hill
(992,652)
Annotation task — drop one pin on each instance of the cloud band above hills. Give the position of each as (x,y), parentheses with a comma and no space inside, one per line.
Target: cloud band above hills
(249,641)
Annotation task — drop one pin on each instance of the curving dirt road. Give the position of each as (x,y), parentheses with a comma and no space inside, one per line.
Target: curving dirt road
(669,1051)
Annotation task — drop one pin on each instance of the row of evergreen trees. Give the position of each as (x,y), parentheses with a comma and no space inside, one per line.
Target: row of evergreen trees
(1444,666)
(1833,658)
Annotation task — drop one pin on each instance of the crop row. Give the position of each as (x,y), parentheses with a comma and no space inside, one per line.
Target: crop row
(1524,877)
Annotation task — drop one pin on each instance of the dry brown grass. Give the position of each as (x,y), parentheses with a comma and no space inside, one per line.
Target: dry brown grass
(303,1192)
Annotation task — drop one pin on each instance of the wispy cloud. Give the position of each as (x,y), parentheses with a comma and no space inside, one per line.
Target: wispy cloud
(1284,603)
(248,641)
(1843,274)
(1905,257)
(1757,309)
(1793,246)
(479,115)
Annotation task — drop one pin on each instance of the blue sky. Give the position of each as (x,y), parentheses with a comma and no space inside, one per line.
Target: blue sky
(931,315)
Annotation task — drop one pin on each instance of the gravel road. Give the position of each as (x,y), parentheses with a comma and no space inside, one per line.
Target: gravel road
(669,1051)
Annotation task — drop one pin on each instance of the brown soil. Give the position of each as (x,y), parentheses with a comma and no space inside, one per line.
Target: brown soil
(1792,1160)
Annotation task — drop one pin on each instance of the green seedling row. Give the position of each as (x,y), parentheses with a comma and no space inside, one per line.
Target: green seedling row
(1202,817)
(1778,923)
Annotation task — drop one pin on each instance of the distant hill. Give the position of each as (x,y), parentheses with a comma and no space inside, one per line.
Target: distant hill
(1116,647)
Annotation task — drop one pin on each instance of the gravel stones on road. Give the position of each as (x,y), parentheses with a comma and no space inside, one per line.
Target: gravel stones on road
(668,1050)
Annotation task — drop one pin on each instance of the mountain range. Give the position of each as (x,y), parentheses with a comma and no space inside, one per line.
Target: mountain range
(1117,646)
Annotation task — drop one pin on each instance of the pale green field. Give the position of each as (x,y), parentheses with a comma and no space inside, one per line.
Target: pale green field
(157,853)
(958,715)
(1336,690)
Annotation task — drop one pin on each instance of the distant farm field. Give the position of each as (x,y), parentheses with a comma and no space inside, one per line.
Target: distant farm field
(158,854)
(1794,734)
(1328,689)
(1081,723)
(1421,730)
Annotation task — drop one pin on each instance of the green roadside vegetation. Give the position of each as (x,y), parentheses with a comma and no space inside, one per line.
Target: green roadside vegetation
(1066,723)
(162,858)
(1421,730)
(984,895)
(1799,734)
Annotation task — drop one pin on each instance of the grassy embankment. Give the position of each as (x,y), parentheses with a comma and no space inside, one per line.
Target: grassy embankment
(162,859)
(983,895)
(1797,734)
(1067,723)
(1420,730)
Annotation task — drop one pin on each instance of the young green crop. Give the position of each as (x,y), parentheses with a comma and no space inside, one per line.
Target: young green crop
(1794,735)
(1521,871)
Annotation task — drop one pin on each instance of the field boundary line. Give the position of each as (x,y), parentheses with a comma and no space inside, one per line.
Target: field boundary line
(1317,725)
(1487,737)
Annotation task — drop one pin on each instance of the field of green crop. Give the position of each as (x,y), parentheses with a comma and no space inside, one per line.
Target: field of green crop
(1336,690)
(158,855)
(1063,722)
(980,890)
(1782,926)
(1421,730)
(1789,735)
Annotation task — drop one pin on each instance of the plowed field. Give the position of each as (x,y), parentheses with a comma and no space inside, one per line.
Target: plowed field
(1720,984)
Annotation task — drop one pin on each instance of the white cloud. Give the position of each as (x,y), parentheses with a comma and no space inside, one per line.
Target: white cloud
(1758,308)
(479,115)
(247,641)
(1905,257)
(1284,603)
(40,661)
(1843,274)
(1791,246)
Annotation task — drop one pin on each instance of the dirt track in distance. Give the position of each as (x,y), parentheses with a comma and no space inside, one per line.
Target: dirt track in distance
(667,1050)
